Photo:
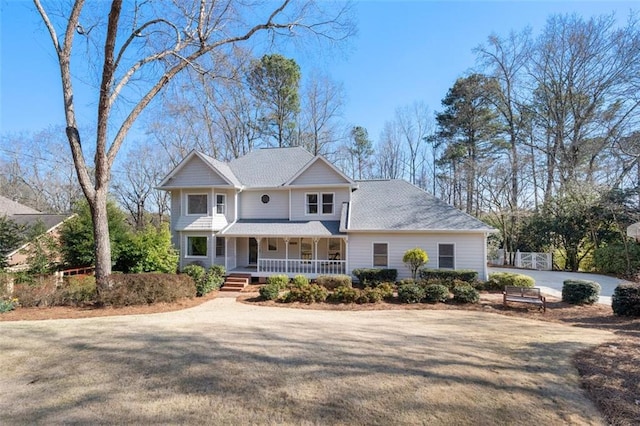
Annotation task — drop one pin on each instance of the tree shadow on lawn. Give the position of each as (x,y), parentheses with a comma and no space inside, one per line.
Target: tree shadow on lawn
(384,370)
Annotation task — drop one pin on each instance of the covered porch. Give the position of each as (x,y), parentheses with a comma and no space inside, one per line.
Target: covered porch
(264,248)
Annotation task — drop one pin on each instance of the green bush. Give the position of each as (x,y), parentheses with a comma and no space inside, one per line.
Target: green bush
(331,282)
(300,281)
(270,291)
(7,305)
(580,292)
(77,291)
(626,300)
(311,294)
(612,259)
(144,289)
(205,280)
(449,275)
(369,295)
(499,280)
(410,293)
(465,294)
(386,290)
(375,276)
(344,294)
(436,293)
(280,281)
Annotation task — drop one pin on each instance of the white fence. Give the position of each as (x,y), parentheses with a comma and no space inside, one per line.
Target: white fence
(525,260)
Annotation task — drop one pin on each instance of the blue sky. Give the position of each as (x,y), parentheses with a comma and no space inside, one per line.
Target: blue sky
(404,52)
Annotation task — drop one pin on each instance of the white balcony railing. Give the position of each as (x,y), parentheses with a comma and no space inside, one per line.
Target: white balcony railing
(299,266)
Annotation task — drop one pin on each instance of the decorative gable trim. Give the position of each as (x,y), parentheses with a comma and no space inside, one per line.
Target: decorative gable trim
(317,158)
(166,181)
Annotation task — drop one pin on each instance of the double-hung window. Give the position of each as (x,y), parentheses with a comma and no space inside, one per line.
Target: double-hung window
(446,256)
(221,201)
(197,246)
(220,246)
(327,203)
(312,204)
(272,244)
(380,255)
(197,204)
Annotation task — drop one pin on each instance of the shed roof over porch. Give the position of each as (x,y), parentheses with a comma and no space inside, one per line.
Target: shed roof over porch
(283,228)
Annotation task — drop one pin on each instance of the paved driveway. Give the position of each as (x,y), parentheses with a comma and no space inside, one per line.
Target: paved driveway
(229,363)
(551,281)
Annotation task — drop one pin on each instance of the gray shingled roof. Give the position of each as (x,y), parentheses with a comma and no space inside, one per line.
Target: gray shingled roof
(270,166)
(284,228)
(48,220)
(397,205)
(9,207)
(223,168)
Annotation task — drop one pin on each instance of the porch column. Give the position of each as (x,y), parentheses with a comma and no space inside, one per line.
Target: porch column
(226,254)
(315,255)
(258,254)
(286,255)
(346,255)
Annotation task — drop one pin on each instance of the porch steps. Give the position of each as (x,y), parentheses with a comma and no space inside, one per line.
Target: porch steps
(235,282)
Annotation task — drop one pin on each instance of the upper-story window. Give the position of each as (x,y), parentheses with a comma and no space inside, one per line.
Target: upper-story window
(327,203)
(319,203)
(221,201)
(312,203)
(197,204)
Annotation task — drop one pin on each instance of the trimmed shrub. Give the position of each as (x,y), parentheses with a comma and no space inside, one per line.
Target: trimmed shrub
(280,281)
(300,281)
(369,295)
(205,280)
(580,292)
(626,300)
(196,272)
(375,276)
(40,291)
(386,290)
(449,275)
(310,294)
(270,291)
(331,282)
(434,293)
(344,294)
(77,291)
(499,280)
(410,293)
(144,289)
(465,294)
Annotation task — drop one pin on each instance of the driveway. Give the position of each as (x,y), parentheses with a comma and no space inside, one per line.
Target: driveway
(229,363)
(551,281)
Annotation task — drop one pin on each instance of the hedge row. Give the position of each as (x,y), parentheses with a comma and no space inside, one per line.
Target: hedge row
(449,275)
(375,276)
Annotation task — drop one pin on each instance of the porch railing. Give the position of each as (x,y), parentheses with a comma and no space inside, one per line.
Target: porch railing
(299,266)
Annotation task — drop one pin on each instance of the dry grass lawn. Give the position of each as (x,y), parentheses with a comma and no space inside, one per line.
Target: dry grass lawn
(229,363)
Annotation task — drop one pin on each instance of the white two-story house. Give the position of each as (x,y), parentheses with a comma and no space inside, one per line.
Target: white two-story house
(285,211)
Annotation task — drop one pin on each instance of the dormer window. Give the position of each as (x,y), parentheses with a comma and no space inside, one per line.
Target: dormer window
(197,204)
(221,201)
(319,203)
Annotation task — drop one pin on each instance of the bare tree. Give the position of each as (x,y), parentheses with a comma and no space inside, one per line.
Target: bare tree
(390,155)
(144,46)
(322,102)
(414,124)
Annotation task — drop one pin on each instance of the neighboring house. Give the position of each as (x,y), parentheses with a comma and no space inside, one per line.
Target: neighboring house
(282,210)
(24,215)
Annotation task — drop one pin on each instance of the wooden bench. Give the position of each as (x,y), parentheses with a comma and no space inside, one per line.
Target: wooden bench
(524,295)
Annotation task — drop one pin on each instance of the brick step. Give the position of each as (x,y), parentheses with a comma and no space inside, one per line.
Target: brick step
(236,282)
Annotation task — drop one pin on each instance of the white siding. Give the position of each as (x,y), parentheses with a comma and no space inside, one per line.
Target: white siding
(175,215)
(469,250)
(319,173)
(196,173)
(252,207)
(298,203)
(242,252)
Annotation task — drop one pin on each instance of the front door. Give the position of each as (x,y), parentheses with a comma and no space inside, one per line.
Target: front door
(253,251)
